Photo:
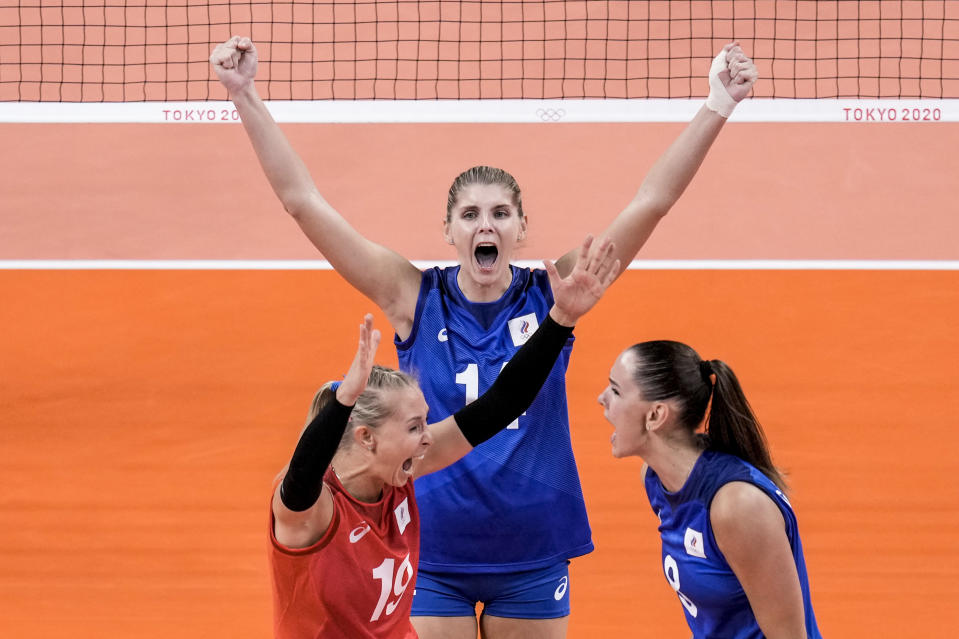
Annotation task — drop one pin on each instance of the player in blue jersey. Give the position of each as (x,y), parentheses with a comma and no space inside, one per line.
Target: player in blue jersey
(730,541)
(500,525)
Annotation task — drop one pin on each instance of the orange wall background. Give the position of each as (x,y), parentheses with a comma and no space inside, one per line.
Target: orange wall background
(766,191)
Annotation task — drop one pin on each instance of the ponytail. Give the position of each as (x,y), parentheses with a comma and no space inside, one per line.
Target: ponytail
(705,391)
(321,398)
(732,427)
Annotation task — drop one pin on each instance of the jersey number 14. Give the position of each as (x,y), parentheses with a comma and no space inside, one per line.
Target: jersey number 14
(470,379)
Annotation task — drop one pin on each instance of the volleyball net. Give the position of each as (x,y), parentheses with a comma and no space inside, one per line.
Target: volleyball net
(476,58)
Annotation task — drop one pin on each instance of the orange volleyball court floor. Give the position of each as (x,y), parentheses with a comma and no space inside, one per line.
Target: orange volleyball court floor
(144,413)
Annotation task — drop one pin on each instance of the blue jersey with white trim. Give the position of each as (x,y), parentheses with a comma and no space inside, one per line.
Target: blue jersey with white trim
(713,599)
(515,501)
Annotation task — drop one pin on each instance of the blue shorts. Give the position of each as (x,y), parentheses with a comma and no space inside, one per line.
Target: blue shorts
(530,594)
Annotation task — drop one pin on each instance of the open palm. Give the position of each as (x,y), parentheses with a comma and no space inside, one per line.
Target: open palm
(594,271)
(356,378)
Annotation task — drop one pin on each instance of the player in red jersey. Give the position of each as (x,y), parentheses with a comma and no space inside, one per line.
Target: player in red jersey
(345,528)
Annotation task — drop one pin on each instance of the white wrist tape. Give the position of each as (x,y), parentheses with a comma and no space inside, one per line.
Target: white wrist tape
(719,99)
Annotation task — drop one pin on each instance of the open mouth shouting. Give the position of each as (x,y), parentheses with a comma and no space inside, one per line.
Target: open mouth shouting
(409,463)
(485,255)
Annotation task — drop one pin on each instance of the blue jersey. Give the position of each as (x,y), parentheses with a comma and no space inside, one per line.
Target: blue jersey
(712,597)
(514,502)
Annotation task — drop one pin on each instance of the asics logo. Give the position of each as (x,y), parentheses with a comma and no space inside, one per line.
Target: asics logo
(561,589)
(359,532)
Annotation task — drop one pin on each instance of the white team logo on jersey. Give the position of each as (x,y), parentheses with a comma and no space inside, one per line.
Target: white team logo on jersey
(694,543)
(402,513)
(441,336)
(359,532)
(522,328)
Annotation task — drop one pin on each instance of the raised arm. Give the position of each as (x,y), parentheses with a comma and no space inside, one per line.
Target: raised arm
(388,279)
(521,379)
(302,503)
(731,77)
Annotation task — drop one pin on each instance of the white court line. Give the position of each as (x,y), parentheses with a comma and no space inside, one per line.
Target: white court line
(636,265)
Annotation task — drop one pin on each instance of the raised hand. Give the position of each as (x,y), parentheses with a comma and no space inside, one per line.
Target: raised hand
(355,381)
(594,271)
(234,62)
(731,78)
(740,74)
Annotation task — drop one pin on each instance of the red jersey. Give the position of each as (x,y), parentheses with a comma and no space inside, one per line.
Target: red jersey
(357,581)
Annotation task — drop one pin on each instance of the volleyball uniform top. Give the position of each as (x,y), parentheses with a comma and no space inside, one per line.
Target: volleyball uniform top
(515,501)
(712,597)
(357,581)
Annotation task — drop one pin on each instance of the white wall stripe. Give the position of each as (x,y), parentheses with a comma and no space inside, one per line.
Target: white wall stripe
(531,111)
(637,265)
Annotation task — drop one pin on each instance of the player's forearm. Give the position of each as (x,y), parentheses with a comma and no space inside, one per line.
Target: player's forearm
(517,385)
(676,167)
(303,481)
(286,172)
(662,187)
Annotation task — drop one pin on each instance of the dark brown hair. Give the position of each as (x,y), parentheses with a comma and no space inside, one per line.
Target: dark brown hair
(672,370)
